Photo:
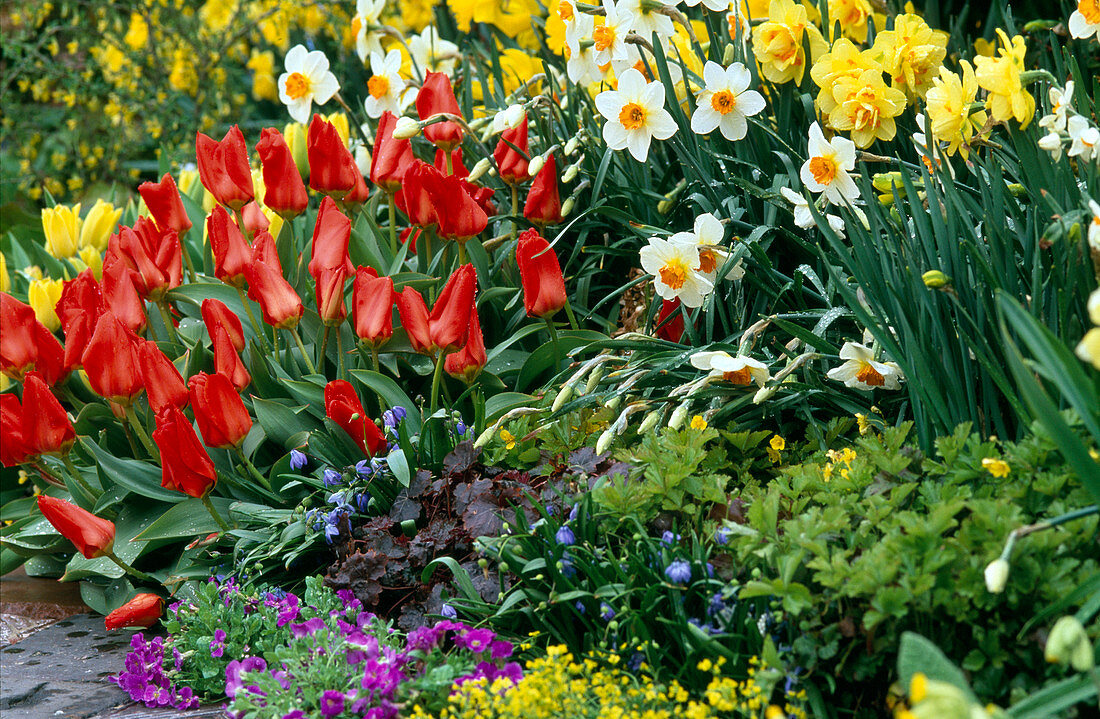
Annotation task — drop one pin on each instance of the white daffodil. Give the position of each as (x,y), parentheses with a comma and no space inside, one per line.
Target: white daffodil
(368,28)
(1052,143)
(827,169)
(672,265)
(1093,306)
(648,18)
(725,101)
(1084,138)
(707,236)
(1060,101)
(635,114)
(1094,226)
(431,52)
(802,215)
(861,371)
(385,86)
(1085,20)
(307,80)
(610,38)
(739,370)
(715,5)
(509,118)
(582,66)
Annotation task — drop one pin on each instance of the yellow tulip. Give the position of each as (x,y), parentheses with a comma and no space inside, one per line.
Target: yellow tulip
(99,224)
(89,258)
(5,280)
(340,121)
(42,297)
(295,134)
(62,227)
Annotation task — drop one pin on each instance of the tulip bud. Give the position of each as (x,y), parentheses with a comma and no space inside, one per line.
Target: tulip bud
(536,164)
(1068,643)
(42,296)
(142,611)
(100,224)
(996,575)
(934,279)
(92,535)
(61,225)
(479,169)
(295,135)
(406,128)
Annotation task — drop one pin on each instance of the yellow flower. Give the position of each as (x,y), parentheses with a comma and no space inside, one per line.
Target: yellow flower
(996,467)
(89,258)
(138,33)
(5,279)
(217,14)
(844,59)
(778,43)
(863,422)
(697,422)
(42,296)
(778,443)
(62,227)
(866,107)
(340,121)
(853,16)
(948,108)
(911,54)
(262,65)
(295,134)
(99,225)
(1001,77)
(508,438)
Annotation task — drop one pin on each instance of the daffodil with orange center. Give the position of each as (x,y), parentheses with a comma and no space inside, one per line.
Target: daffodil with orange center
(844,59)
(1084,22)
(635,114)
(609,37)
(861,371)
(827,170)
(740,370)
(706,235)
(367,27)
(725,102)
(866,107)
(911,54)
(385,87)
(673,266)
(307,80)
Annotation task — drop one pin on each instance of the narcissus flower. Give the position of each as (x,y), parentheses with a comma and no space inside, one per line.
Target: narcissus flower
(609,35)
(948,108)
(1084,22)
(635,114)
(431,52)
(91,535)
(778,42)
(726,101)
(672,265)
(803,217)
(142,611)
(911,54)
(385,87)
(707,235)
(740,370)
(827,169)
(866,107)
(1001,76)
(307,80)
(367,28)
(862,371)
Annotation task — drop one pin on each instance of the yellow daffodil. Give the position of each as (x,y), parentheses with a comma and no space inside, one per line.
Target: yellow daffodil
(911,54)
(62,227)
(866,107)
(948,107)
(844,59)
(778,43)
(1001,76)
(42,296)
(854,17)
(99,224)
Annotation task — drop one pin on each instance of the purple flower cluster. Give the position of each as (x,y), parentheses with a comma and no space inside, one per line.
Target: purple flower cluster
(145,680)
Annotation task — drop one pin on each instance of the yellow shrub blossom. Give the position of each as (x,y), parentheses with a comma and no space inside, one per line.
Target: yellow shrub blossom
(262,65)
(911,54)
(62,227)
(866,107)
(948,108)
(1001,76)
(778,43)
(42,296)
(138,32)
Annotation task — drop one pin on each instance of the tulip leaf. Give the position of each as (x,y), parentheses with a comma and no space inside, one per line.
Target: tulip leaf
(280,422)
(127,528)
(391,393)
(139,477)
(189,518)
(543,359)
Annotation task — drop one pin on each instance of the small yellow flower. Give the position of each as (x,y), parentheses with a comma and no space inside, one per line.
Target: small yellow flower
(62,227)
(42,296)
(778,443)
(508,438)
(864,423)
(918,688)
(697,422)
(996,467)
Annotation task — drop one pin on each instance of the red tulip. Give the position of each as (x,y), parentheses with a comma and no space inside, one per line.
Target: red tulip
(343,407)
(91,535)
(164,386)
(284,191)
(512,165)
(540,274)
(142,611)
(223,420)
(254,219)
(263,250)
(468,362)
(460,216)
(229,247)
(421,187)
(437,96)
(121,295)
(154,257)
(543,205)
(332,169)
(390,158)
(165,204)
(26,344)
(185,464)
(226,360)
(372,306)
(223,168)
(667,326)
(80,306)
(330,240)
(330,296)
(14,449)
(414,318)
(111,361)
(215,314)
(281,305)
(46,428)
(449,323)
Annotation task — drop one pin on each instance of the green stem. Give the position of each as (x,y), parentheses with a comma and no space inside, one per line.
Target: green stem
(302,348)
(374,358)
(339,354)
(479,411)
(557,345)
(324,346)
(149,327)
(252,319)
(214,513)
(393,222)
(129,569)
(252,468)
(78,477)
(142,436)
(187,262)
(461,253)
(515,210)
(572,317)
(436,377)
(166,315)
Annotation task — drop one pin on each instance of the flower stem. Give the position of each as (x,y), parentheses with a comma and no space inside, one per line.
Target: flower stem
(302,348)
(393,222)
(78,477)
(339,354)
(252,468)
(214,512)
(572,317)
(436,377)
(557,345)
(324,346)
(129,569)
(461,253)
(142,436)
(515,210)
(166,315)
(252,318)
(187,262)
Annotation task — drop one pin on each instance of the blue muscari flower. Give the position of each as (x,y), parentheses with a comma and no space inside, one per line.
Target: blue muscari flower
(606,612)
(722,536)
(332,477)
(710,570)
(448,611)
(399,412)
(574,511)
(392,417)
(567,568)
(364,468)
(460,428)
(362,501)
(668,538)
(678,572)
(331,532)
(298,460)
(565,535)
(579,606)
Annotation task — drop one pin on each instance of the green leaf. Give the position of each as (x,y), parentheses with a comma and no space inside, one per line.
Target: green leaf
(281,422)
(391,393)
(399,465)
(461,577)
(189,518)
(917,654)
(1055,698)
(497,405)
(139,477)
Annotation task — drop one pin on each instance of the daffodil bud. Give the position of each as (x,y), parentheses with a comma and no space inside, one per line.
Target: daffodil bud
(598,374)
(484,438)
(479,169)
(679,416)
(567,207)
(1068,643)
(605,440)
(729,55)
(934,279)
(1017,190)
(888,182)
(613,403)
(649,422)
(535,165)
(406,128)
(572,145)
(513,116)
(1051,142)
(570,173)
(564,395)
(996,575)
